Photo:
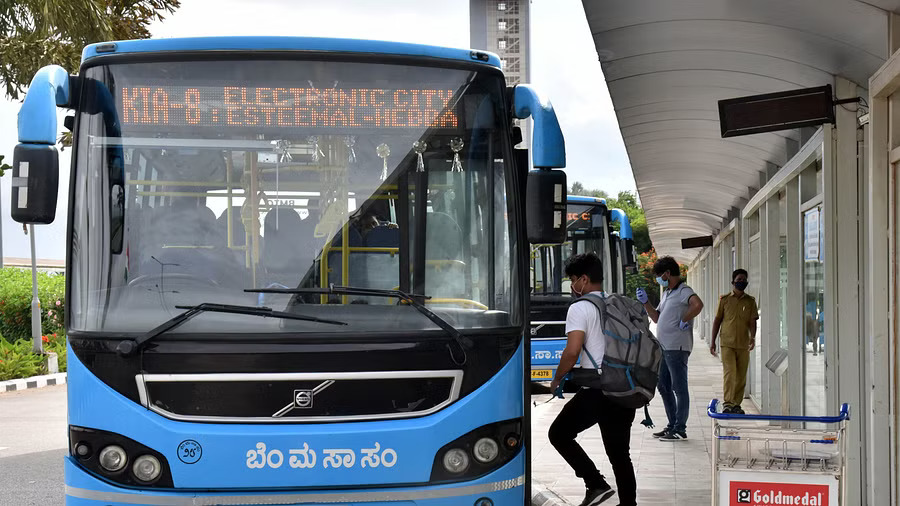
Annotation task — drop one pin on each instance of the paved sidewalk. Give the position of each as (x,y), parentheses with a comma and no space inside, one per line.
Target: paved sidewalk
(668,473)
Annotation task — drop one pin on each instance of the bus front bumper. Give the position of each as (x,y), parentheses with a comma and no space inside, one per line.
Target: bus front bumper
(504,487)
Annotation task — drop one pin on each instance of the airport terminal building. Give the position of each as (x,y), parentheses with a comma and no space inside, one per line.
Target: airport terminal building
(811,212)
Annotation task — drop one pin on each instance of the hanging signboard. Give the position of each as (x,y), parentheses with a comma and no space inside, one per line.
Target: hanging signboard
(776,111)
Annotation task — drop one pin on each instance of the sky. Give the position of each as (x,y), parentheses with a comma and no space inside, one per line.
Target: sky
(564,67)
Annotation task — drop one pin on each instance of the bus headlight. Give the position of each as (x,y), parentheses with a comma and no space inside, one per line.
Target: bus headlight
(478,452)
(486,450)
(118,458)
(456,460)
(146,468)
(113,458)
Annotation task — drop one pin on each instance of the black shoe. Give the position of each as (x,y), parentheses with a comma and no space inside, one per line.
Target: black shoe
(597,495)
(728,410)
(737,410)
(661,433)
(674,436)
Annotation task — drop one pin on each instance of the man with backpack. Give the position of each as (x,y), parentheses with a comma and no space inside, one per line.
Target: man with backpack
(589,406)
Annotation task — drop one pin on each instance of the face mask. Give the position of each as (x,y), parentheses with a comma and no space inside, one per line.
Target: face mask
(578,293)
(741,285)
(663,283)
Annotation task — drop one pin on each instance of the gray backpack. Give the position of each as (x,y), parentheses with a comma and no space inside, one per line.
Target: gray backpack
(630,367)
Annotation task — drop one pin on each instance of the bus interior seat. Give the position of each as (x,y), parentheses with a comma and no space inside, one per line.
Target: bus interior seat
(238,232)
(238,236)
(382,269)
(181,235)
(286,255)
(444,237)
(335,258)
(444,242)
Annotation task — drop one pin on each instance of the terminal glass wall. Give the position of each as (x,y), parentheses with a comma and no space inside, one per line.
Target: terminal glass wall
(814,311)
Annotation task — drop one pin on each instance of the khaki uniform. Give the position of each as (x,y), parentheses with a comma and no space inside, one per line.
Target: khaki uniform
(736,313)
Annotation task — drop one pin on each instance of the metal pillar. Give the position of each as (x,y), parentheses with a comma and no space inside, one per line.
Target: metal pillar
(795,311)
(37,344)
(770,295)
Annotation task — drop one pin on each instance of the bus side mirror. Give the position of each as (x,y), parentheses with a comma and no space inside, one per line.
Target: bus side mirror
(35,178)
(545,193)
(627,236)
(548,147)
(35,181)
(630,256)
(545,206)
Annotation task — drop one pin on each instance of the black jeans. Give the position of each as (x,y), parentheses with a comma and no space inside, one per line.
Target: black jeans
(586,408)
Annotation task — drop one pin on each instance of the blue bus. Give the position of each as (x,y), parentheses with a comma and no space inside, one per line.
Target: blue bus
(589,228)
(296,270)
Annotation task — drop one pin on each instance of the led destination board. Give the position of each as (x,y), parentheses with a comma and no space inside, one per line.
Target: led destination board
(283,107)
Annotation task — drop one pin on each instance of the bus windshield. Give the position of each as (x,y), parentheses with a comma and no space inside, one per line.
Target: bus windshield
(198,180)
(587,230)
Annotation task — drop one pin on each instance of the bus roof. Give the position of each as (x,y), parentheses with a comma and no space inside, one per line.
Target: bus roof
(317,44)
(577,199)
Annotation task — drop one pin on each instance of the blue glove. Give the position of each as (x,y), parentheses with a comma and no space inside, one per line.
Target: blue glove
(684,325)
(641,296)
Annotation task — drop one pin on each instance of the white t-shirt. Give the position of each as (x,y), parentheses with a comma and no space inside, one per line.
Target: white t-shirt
(584,316)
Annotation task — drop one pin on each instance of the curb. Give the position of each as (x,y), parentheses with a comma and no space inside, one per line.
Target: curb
(542,495)
(46,380)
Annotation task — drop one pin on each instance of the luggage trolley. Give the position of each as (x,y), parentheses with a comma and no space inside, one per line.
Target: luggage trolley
(802,460)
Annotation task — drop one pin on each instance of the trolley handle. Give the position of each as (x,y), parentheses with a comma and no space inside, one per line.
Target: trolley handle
(842,416)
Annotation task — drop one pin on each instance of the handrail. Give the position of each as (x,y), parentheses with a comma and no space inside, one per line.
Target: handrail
(842,416)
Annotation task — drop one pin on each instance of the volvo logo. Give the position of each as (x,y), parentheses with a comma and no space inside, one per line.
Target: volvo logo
(303,399)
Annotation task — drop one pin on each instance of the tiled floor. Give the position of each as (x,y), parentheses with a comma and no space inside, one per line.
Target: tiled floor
(667,473)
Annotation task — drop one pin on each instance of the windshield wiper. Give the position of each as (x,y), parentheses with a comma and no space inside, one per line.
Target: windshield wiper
(128,347)
(462,342)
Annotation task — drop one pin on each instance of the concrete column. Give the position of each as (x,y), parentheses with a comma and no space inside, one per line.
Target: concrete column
(845,350)
(881,440)
(876,256)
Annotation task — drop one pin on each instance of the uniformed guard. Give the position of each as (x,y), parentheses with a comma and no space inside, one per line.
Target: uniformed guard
(736,318)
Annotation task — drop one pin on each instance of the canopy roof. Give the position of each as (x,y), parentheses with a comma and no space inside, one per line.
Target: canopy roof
(667,63)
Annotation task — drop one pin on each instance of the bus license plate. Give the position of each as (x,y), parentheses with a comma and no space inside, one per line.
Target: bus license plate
(542,374)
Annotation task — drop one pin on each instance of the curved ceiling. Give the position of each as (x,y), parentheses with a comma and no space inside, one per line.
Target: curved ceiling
(667,64)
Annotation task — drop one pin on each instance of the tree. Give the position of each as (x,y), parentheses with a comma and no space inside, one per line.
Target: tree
(579,189)
(628,202)
(34,33)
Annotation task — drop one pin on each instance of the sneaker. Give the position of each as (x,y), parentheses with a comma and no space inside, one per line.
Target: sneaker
(674,436)
(661,433)
(597,495)
(728,410)
(737,410)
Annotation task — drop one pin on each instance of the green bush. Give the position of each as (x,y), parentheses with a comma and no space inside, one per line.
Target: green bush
(15,303)
(17,360)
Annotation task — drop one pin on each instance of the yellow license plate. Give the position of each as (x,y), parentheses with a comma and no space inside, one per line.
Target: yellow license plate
(542,374)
